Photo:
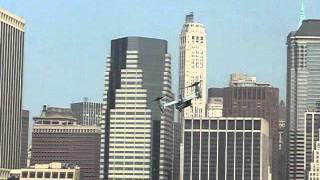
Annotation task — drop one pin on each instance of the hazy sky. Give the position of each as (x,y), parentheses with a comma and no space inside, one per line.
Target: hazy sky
(67,41)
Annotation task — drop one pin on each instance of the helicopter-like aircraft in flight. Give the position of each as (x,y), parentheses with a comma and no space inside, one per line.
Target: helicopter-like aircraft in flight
(182,102)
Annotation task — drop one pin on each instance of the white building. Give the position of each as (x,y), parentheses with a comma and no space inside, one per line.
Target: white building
(193,65)
(215,107)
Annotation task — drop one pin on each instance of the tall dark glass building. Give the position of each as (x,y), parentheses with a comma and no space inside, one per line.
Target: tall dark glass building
(303,92)
(226,148)
(11,75)
(137,139)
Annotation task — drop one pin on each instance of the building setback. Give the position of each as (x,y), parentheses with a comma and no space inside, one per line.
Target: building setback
(314,173)
(226,148)
(87,113)
(57,138)
(303,92)
(137,139)
(24,138)
(11,75)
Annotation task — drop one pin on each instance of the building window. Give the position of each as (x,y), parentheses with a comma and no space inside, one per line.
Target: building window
(205,124)
(188,124)
(231,125)
(24,174)
(70,175)
(196,124)
(39,174)
(54,175)
(248,125)
(257,125)
(222,124)
(47,175)
(32,175)
(213,124)
(62,175)
(239,125)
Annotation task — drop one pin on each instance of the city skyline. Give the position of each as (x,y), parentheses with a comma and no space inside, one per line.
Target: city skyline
(45,53)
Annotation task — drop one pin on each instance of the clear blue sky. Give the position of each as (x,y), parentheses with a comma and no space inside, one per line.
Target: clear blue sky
(67,41)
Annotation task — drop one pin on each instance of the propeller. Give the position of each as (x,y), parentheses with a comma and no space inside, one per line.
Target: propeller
(194,84)
(157,99)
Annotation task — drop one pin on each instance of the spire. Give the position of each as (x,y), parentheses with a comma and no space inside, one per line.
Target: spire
(302,13)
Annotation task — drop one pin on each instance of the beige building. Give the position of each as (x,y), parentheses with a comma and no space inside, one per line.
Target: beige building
(314,173)
(53,171)
(215,107)
(11,72)
(193,65)
(4,174)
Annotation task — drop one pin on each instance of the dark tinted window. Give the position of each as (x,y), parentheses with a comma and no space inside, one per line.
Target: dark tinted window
(222,124)
(248,125)
(239,125)
(196,124)
(32,175)
(188,124)
(257,125)
(231,125)
(47,174)
(213,124)
(54,175)
(205,124)
(70,175)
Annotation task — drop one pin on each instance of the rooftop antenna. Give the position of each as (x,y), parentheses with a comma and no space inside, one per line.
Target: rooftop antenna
(302,14)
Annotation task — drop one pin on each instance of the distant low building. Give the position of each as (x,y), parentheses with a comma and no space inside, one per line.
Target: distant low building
(87,113)
(54,170)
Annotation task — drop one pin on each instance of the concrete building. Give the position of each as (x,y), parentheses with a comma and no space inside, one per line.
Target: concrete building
(57,138)
(282,139)
(11,77)
(311,136)
(52,171)
(314,173)
(24,138)
(256,100)
(176,150)
(215,102)
(303,92)
(225,148)
(193,65)
(137,139)
(87,113)
(242,80)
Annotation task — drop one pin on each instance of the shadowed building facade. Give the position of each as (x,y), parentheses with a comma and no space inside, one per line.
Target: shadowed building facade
(11,79)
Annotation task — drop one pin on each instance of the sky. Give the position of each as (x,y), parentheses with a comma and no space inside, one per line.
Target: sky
(67,42)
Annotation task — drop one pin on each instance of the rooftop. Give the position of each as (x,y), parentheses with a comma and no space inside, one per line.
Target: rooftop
(309,27)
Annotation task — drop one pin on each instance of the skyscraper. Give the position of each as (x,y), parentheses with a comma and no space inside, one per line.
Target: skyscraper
(11,77)
(87,113)
(24,138)
(303,92)
(314,172)
(193,65)
(225,149)
(137,138)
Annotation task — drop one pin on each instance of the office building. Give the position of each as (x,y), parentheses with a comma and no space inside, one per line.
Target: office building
(193,65)
(282,139)
(314,173)
(87,113)
(215,102)
(56,137)
(137,139)
(53,171)
(11,77)
(256,99)
(24,138)
(226,148)
(176,150)
(242,80)
(4,174)
(303,92)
